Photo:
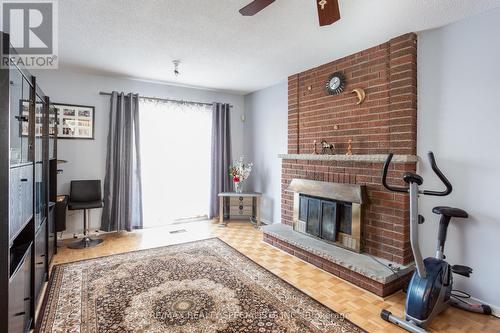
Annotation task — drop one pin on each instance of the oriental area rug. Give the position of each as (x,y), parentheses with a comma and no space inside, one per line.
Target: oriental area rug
(204,286)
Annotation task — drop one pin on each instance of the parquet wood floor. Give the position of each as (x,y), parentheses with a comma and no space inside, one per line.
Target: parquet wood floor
(359,306)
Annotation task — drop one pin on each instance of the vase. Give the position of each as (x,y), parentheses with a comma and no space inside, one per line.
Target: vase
(238,187)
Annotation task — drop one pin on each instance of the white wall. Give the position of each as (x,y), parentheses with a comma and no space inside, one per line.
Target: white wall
(266,137)
(87,159)
(459,119)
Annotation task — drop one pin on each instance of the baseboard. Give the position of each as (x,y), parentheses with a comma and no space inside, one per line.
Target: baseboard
(495,310)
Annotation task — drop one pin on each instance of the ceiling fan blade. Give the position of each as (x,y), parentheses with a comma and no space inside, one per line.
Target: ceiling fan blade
(254,7)
(328,11)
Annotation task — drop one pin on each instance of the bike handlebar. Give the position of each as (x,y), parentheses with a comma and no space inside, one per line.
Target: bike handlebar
(441,176)
(434,167)
(384,177)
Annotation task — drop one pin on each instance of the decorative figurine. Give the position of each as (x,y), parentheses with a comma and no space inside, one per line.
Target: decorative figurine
(327,148)
(349,148)
(360,94)
(315,151)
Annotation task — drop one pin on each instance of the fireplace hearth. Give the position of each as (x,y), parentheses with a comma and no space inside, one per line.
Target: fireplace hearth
(331,212)
(358,268)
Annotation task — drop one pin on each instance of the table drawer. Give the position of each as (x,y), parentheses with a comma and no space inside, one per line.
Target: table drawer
(236,211)
(238,201)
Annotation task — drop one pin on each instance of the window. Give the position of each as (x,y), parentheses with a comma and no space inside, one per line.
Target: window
(175,157)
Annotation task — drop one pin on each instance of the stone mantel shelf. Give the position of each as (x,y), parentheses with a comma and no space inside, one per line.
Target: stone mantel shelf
(350,158)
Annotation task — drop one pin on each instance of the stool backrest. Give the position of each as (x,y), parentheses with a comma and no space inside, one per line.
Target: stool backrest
(85,191)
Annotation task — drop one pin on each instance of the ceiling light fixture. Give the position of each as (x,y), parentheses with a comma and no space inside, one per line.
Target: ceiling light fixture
(176,67)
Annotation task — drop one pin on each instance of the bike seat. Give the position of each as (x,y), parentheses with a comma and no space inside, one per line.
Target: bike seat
(411,177)
(450,212)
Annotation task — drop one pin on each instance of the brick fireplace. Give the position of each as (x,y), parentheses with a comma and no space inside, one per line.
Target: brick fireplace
(385,122)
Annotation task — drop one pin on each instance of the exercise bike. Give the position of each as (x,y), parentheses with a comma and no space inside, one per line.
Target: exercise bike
(430,291)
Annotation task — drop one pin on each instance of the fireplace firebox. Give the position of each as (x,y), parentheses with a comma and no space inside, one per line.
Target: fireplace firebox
(331,212)
(324,218)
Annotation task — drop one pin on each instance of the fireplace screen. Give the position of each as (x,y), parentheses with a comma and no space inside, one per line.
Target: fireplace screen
(329,218)
(345,219)
(325,218)
(313,217)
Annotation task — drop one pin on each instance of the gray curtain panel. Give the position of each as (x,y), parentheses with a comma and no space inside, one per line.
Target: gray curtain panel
(221,155)
(122,185)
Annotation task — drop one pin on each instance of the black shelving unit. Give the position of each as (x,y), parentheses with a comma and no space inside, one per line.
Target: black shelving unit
(27,226)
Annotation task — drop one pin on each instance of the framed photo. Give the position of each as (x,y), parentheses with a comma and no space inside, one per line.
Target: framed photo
(72,122)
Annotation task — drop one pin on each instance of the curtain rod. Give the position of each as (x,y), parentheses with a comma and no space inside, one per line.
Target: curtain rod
(166,99)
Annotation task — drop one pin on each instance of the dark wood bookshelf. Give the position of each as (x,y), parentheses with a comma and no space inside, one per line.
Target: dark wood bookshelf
(27,183)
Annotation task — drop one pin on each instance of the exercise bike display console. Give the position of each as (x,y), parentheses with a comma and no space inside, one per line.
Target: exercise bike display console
(430,290)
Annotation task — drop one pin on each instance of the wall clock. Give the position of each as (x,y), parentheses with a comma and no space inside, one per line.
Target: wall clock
(335,84)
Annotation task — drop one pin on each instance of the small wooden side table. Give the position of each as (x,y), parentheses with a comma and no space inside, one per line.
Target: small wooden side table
(234,205)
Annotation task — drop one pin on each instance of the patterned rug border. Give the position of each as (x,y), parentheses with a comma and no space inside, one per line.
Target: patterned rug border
(57,267)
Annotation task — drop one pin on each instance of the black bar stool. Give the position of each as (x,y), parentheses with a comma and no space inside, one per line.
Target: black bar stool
(85,195)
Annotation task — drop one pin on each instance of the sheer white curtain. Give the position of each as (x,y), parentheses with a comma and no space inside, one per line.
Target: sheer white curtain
(175,155)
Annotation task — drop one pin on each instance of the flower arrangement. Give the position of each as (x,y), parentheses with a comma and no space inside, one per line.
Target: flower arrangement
(239,172)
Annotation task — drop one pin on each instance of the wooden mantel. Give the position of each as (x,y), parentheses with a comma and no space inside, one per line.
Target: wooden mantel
(377,158)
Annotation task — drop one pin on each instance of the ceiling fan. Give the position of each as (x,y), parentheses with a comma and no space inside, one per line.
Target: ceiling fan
(328,10)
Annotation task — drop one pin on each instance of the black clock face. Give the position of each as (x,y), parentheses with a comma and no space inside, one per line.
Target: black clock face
(335,84)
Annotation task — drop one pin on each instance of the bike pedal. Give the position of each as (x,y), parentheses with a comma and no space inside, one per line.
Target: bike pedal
(461,270)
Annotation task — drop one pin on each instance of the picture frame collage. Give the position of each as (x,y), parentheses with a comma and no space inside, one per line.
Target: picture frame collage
(72,121)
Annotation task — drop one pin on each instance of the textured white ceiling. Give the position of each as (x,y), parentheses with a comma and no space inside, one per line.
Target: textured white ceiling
(220,49)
